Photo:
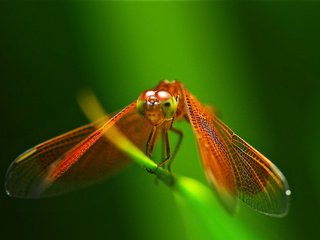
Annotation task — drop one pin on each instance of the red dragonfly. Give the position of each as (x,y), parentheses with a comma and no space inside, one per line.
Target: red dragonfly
(82,156)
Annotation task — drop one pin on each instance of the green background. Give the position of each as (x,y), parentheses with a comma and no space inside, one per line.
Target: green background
(256,63)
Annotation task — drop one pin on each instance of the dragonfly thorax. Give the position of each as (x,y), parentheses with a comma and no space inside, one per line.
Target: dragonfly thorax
(157,106)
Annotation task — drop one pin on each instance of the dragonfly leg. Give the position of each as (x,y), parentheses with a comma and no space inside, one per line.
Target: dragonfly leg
(151,141)
(168,157)
(166,147)
(180,135)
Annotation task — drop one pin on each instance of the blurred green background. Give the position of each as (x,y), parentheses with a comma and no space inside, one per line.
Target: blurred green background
(256,63)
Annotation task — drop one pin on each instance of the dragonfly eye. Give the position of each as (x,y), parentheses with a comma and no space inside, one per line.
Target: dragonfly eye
(140,108)
(169,108)
(168,102)
(143,99)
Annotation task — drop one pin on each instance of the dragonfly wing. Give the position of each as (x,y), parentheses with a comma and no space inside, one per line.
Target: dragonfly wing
(75,159)
(260,184)
(30,166)
(234,167)
(215,153)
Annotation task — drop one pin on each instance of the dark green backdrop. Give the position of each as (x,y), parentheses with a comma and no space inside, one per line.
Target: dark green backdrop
(257,63)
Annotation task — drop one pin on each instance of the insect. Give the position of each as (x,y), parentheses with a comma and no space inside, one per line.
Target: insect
(234,168)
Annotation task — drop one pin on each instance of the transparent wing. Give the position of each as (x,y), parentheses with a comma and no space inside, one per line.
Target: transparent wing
(75,159)
(234,167)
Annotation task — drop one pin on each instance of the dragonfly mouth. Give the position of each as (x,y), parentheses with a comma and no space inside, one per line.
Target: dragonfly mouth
(153,110)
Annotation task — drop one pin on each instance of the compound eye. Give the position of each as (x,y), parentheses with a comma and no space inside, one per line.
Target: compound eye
(163,96)
(146,94)
(169,107)
(142,100)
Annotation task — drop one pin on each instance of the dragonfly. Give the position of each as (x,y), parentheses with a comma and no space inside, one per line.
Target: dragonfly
(234,169)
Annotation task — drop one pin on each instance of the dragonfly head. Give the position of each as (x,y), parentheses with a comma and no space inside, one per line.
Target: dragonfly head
(157,106)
